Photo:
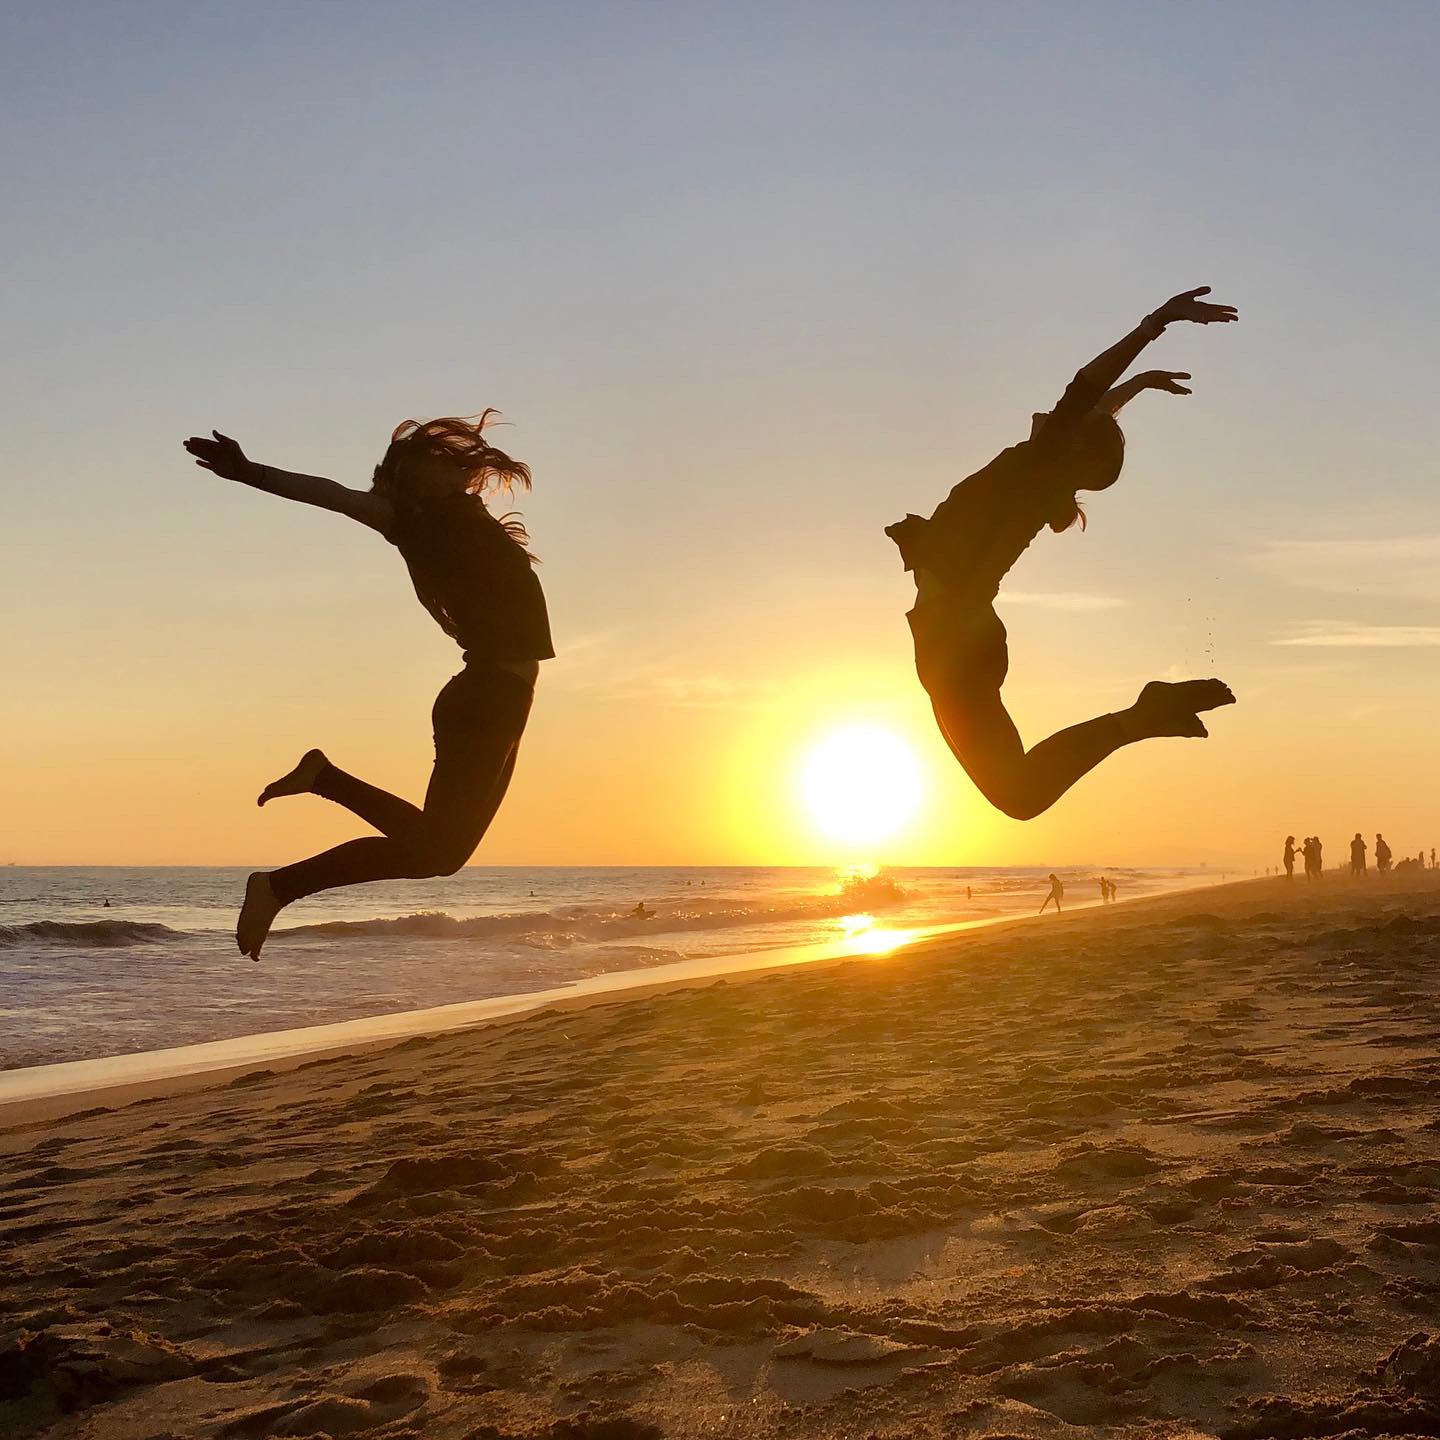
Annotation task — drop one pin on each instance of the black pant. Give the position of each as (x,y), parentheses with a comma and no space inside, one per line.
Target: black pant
(478,717)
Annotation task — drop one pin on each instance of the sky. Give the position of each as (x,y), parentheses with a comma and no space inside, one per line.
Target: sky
(749,282)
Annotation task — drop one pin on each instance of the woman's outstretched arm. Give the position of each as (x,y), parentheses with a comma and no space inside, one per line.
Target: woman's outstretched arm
(1093,381)
(225,458)
(1114,400)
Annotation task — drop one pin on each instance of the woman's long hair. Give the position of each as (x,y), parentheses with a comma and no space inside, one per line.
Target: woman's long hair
(438,459)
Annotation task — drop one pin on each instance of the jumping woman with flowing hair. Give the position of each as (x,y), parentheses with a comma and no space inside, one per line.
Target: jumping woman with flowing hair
(963,552)
(473,572)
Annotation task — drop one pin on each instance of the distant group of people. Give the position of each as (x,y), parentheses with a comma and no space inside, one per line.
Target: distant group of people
(1107,890)
(1312,853)
(1358,849)
(1310,850)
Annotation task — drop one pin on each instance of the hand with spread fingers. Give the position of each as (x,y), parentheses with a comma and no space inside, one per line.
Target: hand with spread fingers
(1189,306)
(1166,380)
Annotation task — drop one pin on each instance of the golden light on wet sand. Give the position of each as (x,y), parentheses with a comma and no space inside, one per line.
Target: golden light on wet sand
(862,936)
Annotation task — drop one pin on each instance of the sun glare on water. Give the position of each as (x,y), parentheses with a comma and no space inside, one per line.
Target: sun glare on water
(861,785)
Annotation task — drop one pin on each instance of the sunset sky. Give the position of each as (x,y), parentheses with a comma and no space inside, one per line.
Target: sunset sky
(749,282)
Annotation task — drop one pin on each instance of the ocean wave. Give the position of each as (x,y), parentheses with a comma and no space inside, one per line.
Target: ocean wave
(559,928)
(568,925)
(88,934)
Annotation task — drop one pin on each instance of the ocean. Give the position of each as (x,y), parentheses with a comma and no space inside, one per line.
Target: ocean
(157,966)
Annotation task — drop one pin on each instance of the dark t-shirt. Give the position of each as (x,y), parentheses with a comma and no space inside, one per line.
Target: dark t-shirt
(989,519)
(474,578)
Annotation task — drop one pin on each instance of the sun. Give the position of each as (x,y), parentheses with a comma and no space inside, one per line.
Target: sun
(861,784)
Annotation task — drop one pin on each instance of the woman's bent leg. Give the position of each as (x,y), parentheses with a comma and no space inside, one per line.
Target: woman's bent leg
(477,738)
(316,775)
(388,813)
(465,793)
(983,738)
(1024,783)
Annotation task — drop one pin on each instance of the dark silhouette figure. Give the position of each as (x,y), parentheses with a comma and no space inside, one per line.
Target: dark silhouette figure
(1104,891)
(1319,857)
(474,575)
(1382,855)
(641,913)
(1358,847)
(1057,894)
(1290,857)
(962,553)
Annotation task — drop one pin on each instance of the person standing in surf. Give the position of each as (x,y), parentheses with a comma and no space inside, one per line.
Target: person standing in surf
(962,553)
(475,575)
(1056,895)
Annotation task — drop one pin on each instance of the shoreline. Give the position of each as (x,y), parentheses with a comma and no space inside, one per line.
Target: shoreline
(33,1093)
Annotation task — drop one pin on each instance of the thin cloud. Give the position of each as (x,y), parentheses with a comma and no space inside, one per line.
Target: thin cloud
(1344,635)
(1062,600)
(1395,567)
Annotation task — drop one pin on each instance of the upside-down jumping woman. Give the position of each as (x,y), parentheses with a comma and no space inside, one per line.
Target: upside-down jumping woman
(474,574)
(963,552)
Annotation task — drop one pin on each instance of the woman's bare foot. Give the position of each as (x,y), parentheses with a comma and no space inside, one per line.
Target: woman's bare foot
(1173,709)
(257,914)
(299,780)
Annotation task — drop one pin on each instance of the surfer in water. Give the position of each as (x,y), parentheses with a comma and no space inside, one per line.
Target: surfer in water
(474,573)
(962,553)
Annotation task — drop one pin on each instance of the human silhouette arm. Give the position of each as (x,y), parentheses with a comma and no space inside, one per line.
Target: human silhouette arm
(224,457)
(1092,385)
(1113,401)
(1107,367)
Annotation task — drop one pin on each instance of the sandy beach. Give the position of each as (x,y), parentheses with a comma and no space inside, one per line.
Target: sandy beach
(1169,1169)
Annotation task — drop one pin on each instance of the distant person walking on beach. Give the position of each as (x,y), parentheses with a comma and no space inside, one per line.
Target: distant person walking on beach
(962,553)
(1319,857)
(474,574)
(1382,855)
(1290,857)
(1358,847)
(1057,894)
